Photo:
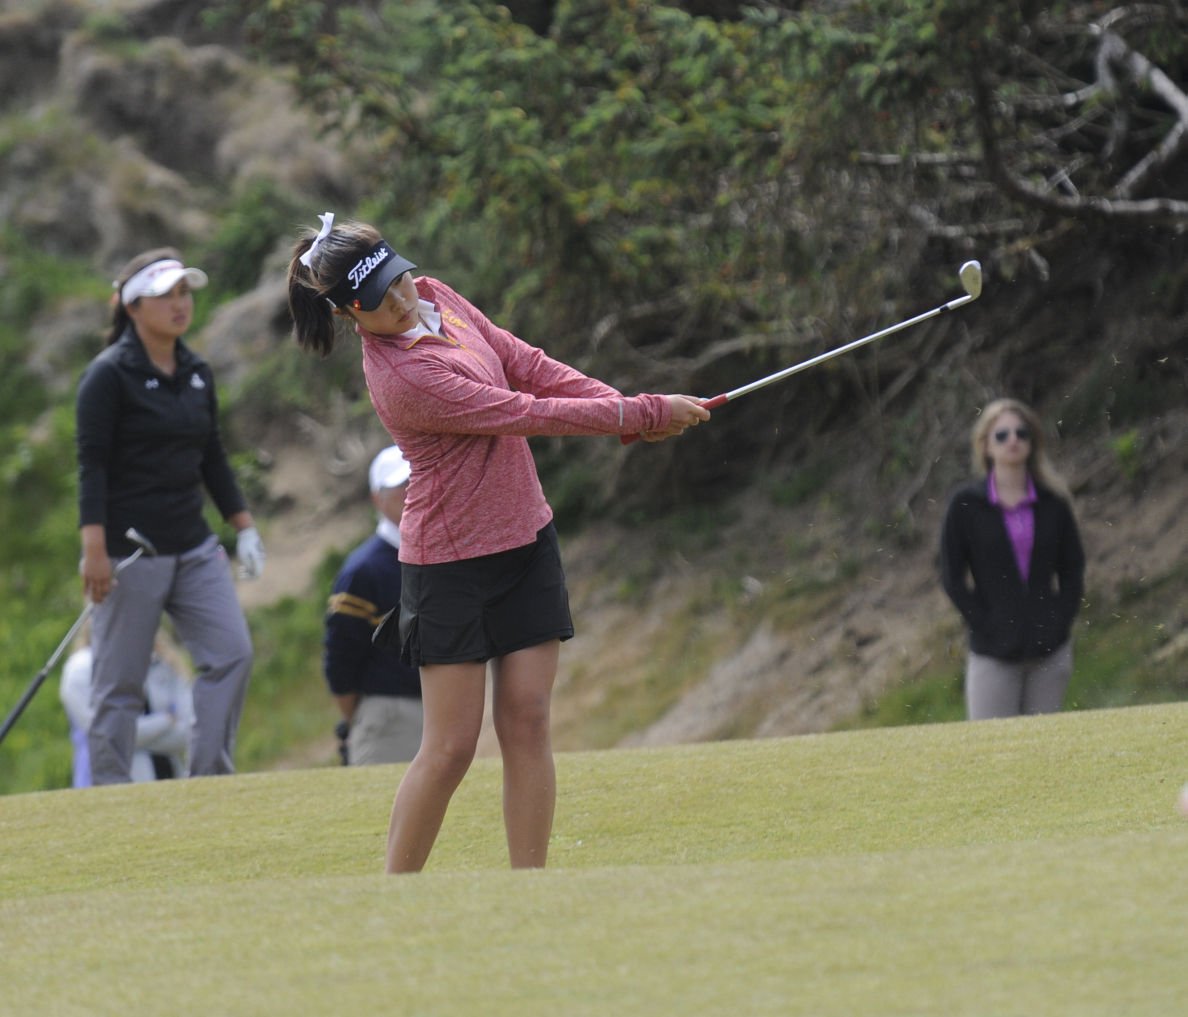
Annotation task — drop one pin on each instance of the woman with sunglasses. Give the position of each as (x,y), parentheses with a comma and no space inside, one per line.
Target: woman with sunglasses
(481,571)
(1012,563)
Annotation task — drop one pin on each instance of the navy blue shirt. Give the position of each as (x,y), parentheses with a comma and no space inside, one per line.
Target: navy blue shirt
(367,588)
(148,443)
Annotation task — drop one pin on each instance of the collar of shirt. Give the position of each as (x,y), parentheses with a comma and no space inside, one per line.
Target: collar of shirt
(1029,498)
(132,352)
(429,324)
(389,532)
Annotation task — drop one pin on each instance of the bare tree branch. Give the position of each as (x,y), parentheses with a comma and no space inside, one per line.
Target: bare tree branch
(1141,69)
(935,228)
(914,159)
(1114,52)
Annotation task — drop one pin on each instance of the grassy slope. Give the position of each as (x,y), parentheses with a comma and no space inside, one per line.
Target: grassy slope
(1020,867)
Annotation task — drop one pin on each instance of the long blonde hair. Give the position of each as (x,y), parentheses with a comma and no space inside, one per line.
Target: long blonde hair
(1038,464)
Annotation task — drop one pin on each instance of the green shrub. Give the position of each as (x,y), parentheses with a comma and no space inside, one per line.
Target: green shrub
(257,219)
(1128,447)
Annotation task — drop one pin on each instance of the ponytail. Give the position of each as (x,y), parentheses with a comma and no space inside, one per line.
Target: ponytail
(338,249)
(120,320)
(313,316)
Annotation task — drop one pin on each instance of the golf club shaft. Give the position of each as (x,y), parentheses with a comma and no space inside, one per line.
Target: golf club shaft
(31,691)
(725,397)
(971,280)
(37,682)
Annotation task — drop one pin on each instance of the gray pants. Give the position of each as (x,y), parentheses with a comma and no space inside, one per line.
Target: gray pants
(197,592)
(385,729)
(1003,688)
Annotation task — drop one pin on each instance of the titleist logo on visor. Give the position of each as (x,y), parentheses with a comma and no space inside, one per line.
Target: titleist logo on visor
(366,266)
(364,284)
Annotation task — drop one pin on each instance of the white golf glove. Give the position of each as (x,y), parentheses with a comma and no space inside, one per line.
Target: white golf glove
(249,549)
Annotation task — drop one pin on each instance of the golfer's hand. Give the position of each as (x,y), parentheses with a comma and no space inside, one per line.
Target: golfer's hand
(96,572)
(686,412)
(249,549)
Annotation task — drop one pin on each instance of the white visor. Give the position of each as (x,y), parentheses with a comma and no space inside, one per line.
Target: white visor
(159,278)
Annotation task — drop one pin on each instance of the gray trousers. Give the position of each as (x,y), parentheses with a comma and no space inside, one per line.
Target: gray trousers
(197,592)
(1004,688)
(385,729)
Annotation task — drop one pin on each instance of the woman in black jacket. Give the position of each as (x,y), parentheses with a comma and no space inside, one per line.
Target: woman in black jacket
(148,452)
(1012,563)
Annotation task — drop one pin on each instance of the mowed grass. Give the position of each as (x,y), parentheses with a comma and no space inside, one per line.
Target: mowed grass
(1031,867)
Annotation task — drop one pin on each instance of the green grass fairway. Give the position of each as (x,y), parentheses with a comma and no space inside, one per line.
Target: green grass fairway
(1024,867)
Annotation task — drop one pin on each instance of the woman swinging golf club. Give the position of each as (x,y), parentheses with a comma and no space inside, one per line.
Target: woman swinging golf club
(482,577)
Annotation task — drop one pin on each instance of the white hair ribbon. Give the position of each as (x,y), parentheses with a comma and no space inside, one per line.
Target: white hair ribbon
(327,224)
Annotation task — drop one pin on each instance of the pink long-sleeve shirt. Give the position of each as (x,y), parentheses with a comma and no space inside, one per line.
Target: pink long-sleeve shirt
(460,404)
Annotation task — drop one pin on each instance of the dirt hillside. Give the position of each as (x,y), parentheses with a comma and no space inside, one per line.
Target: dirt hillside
(765,676)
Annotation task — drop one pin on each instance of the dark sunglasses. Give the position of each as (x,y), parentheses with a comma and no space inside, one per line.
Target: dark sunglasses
(1020,432)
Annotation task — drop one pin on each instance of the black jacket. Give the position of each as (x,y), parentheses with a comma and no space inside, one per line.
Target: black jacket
(1008,619)
(147,445)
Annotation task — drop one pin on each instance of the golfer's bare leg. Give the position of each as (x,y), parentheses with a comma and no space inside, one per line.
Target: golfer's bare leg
(523,687)
(453,697)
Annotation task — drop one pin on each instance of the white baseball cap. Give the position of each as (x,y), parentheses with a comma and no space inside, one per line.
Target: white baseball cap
(158,278)
(389,469)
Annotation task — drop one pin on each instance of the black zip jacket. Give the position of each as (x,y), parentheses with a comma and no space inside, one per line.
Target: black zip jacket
(1007,618)
(147,445)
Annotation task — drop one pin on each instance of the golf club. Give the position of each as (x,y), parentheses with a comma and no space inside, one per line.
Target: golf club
(970,275)
(143,546)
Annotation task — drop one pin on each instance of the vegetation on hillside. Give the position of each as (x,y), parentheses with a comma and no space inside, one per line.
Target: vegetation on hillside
(678,202)
(671,201)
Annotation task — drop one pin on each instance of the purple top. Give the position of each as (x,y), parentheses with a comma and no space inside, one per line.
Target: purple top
(1020,523)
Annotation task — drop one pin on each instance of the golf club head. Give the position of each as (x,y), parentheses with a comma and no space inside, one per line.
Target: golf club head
(140,540)
(971,278)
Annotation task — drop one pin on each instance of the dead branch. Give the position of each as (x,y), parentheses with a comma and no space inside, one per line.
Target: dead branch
(1120,204)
